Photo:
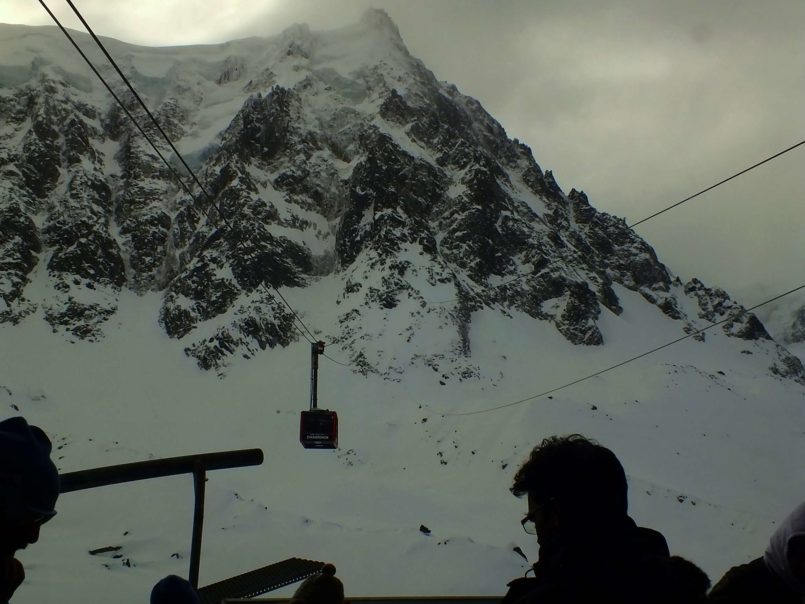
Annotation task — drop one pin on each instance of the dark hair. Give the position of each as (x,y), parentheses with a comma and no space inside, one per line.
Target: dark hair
(582,477)
(174,590)
(321,588)
(688,580)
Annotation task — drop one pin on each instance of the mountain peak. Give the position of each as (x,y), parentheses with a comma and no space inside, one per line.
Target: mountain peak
(350,193)
(380,19)
(296,31)
(345,161)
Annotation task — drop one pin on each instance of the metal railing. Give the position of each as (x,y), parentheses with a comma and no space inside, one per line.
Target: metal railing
(387,600)
(197,465)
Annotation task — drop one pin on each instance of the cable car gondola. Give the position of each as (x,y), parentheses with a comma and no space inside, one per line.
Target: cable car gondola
(318,428)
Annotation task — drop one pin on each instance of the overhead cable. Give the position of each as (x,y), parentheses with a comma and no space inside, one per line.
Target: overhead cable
(119,102)
(295,314)
(718,184)
(192,174)
(145,108)
(617,365)
(167,139)
(647,218)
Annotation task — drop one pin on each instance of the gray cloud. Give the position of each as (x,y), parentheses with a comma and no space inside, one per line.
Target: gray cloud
(638,102)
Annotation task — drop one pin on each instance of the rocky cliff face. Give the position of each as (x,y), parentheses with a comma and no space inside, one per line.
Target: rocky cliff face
(798,326)
(332,155)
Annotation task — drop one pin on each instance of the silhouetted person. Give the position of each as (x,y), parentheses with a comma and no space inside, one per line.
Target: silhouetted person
(174,590)
(690,582)
(29,487)
(321,588)
(590,550)
(778,577)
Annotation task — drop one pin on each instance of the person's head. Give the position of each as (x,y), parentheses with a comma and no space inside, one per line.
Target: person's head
(688,580)
(572,483)
(322,588)
(785,555)
(174,590)
(29,484)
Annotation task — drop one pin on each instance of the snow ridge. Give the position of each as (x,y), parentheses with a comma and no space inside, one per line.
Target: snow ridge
(436,258)
(330,155)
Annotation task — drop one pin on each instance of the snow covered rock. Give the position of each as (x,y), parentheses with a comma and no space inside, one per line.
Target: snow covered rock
(321,155)
(798,326)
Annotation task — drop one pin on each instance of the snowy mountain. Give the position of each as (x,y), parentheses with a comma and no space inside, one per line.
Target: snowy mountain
(786,322)
(431,253)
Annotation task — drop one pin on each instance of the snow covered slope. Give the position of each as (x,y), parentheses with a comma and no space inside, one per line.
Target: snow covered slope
(439,262)
(786,322)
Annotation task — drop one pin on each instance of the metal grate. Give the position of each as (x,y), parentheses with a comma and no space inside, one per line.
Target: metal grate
(260,581)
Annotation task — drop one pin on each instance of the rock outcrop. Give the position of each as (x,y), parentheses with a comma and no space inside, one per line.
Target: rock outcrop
(319,155)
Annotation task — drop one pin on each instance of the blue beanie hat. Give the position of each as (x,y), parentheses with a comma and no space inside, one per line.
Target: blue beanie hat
(174,590)
(29,480)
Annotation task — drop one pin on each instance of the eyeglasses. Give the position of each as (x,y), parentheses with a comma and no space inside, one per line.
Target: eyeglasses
(528,524)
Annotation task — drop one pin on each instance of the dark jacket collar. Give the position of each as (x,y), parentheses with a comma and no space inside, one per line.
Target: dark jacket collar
(611,538)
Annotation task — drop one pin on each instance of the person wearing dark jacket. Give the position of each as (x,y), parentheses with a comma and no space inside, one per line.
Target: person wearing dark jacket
(778,577)
(590,550)
(29,487)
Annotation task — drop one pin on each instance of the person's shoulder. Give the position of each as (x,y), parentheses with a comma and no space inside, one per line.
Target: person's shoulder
(749,571)
(652,542)
(741,582)
(518,589)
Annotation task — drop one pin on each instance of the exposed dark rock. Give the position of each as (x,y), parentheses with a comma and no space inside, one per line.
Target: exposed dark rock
(261,323)
(608,297)
(80,319)
(577,319)
(233,69)
(177,320)
(583,212)
(201,291)
(746,326)
(379,176)
(41,160)
(631,261)
(264,126)
(395,109)
(797,330)
(82,248)
(391,196)
(77,145)
(788,366)
(147,236)
(664,301)
(172,119)
(484,229)
(19,249)
(716,306)
(262,258)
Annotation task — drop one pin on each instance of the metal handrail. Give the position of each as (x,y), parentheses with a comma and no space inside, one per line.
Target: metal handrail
(384,600)
(197,465)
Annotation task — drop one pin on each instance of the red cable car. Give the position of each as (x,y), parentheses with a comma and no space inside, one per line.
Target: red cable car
(318,428)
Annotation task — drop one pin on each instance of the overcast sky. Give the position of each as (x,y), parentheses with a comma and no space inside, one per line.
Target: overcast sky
(639,103)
